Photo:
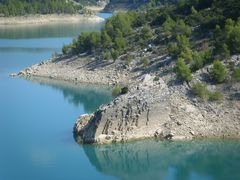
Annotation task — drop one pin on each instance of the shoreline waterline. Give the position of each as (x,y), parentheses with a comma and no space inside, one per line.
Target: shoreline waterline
(48,19)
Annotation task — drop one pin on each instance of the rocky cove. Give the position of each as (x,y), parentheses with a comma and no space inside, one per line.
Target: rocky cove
(153,107)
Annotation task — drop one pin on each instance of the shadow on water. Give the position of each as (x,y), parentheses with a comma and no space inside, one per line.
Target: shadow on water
(89,96)
(151,159)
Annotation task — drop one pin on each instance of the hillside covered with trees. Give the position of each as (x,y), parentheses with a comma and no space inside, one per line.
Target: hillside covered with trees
(194,34)
(24,7)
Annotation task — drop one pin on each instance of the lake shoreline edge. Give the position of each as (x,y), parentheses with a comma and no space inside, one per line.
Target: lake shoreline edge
(48,19)
(149,109)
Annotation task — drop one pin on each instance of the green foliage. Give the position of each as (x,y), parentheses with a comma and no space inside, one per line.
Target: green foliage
(115,54)
(87,42)
(124,90)
(106,39)
(198,61)
(227,40)
(193,10)
(118,90)
(186,54)
(218,72)
(144,61)
(181,49)
(183,71)
(200,90)
(168,25)
(173,49)
(225,52)
(156,78)
(176,28)
(129,59)
(236,74)
(66,49)
(23,7)
(121,22)
(215,96)
(146,32)
(119,41)
(107,55)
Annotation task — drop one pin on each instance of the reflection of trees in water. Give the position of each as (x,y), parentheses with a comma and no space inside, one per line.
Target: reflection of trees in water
(49,30)
(150,159)
(89,96)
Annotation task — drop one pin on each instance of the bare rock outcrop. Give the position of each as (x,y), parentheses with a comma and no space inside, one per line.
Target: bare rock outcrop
(138,114)
(154,109)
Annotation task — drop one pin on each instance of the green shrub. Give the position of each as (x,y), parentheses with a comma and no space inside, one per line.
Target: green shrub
(145,61)
(119,90)
(200,90)
(236,74)
(198,61)
(116,91)
(215,96)
(218,72)
(66,49)
(115,54)
(186,54)
(107,55)
(225,53)
(146,32)
(173,49)
(156,78)
(124,90)
(129,59)
(183,71)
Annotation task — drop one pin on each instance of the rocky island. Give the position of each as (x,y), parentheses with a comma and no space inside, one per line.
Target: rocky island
(175,76)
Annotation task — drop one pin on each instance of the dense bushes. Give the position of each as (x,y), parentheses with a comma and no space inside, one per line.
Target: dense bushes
(110,42)
(227,39)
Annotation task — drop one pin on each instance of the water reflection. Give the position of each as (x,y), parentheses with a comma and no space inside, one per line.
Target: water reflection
(47,30)
(150,159)
(27,49)
(89,96)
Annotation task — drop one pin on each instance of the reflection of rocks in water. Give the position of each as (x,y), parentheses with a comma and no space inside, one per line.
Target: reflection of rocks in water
(90,96)
(150,159)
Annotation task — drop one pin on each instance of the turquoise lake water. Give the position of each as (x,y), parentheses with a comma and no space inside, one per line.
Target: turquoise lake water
(37,117)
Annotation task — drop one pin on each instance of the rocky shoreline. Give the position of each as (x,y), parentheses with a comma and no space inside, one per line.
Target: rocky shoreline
(46,19)
(154,107)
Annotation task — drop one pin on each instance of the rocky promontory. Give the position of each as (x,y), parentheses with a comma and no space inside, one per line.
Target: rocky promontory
(156,104)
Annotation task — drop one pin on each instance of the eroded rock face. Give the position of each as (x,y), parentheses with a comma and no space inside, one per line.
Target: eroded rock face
(153,109)
(138,114)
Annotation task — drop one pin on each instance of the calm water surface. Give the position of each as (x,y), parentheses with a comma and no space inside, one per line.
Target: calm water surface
(37,117)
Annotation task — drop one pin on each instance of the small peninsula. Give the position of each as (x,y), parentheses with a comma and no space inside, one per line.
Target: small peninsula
(174,68)
(22,12)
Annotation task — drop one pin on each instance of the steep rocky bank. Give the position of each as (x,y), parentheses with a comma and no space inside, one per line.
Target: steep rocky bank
(154,107)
